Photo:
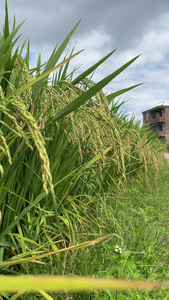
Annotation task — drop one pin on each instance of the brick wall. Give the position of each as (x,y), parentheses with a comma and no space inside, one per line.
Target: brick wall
(167,114)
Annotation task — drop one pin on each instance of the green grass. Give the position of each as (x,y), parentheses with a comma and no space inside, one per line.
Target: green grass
(141,211)
(138,216)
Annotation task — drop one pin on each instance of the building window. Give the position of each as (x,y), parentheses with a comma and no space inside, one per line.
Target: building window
(147,116)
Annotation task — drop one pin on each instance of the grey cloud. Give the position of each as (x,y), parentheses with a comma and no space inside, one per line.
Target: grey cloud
(48,22)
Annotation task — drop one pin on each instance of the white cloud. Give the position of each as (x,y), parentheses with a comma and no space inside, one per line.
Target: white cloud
(94,44)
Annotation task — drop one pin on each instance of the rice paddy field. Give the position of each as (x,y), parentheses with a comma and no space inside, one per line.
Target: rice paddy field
(83,187)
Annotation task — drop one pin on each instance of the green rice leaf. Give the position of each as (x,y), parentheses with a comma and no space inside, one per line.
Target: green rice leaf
(90,93)
(38,78)
(91,69)
(17,260)
(54,59)
(70,283)
(120,92)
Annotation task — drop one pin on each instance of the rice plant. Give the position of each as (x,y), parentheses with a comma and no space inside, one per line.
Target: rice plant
(64,148)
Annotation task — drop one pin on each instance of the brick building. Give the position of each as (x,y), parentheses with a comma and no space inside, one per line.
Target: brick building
(157,118)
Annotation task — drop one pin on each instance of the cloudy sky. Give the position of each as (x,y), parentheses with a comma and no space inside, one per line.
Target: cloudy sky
(132,27)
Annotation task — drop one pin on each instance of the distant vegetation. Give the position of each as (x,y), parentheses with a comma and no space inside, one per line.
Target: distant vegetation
(73,169)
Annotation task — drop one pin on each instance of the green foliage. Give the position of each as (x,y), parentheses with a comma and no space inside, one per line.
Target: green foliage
(66,152)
